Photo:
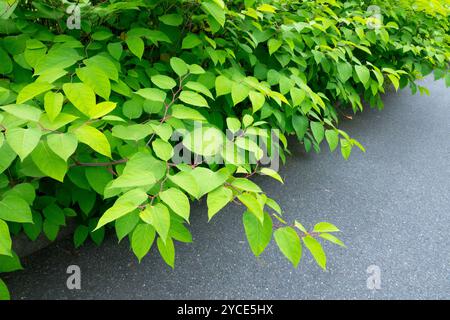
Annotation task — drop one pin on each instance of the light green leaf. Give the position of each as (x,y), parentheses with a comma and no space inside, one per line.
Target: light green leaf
(239,92)
(64,144)
(172,19)
(344,70)
(167,251)
(332,137)
(53,103)
(5,239)
(159,217)
(325,227)
(177,201)
(332,239)
(15,209)
(95,78)
(23,111)
(217,199)
(223,85)
(179,66)
(163,149)
(93,138)
(316,250)
(81,96)
(274,45)
(257,100)
(48,162)
(32,90)
(152,94)
(258,234)
(271,173)
(163,82)
(253,205)
(23,141)
(185,113)
(246,185)
(288,241)
(136,46)
(191,41)
(187,182)
(124,204)
(193,98)
(215,11)
(142,240)
(318,131)
(363,74)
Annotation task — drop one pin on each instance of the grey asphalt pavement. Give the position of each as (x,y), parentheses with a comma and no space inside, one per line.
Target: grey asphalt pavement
(391,203)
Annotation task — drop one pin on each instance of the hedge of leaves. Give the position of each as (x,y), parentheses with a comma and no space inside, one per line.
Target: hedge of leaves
(92,119)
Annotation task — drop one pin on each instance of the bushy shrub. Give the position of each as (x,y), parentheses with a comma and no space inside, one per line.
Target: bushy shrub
(96,120)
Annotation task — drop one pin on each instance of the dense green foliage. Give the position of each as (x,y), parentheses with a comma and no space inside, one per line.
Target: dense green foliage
(87,117)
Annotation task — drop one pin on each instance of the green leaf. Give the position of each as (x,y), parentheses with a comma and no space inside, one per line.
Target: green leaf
(363,74)
(123,205)
(173,19)
(215,11)
(15,209)
(80,235)
(142,240)
(23,111)
(346,148)
(218,199)
(23,141)
(163,149)
(239,92)
(318,131)
(297,96)
(223,85)
(274,45)
(209,180)
(258,234)
(198,87)
(32,90)
(316,250)
(206,141)
(163,82)
(95,78)
(257,99)
(10,263)
(332,137)
(177,201)
(167,251)
(253,205)
(159,217)
(126,224)
(5,239)
(81,96)
(179,66)
(98,178)
(152,94)
(53,103)
(55,215)
(94,139)
(48,162)
(246,185)
(300,124)
(288,241)
(23,190)
(185,113)
(325,227)
(332,238)
(193,98)
(344,70)
(271,173)
(191,41)
(187,182)
(7,156)
(136,46)
(63,144)
(4,292)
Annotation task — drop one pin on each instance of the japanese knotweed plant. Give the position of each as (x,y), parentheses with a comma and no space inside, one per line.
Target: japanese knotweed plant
(118,114)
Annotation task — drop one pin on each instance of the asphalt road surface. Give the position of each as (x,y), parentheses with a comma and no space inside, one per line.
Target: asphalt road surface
(391,203)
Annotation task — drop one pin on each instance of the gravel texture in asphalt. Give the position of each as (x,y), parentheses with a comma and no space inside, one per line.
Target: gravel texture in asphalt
(391,203)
